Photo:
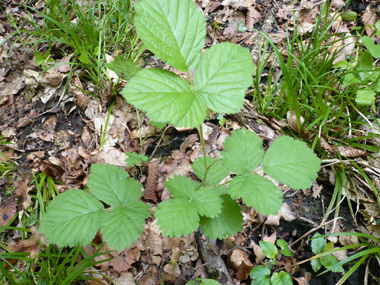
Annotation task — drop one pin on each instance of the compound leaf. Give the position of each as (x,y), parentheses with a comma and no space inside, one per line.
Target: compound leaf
(174,30)
(216,171)
(291,162)
(122,226)
(227,223)
(166,97)
(223,75)
(208,202)
(112,185)
(260,275)
(177,217)
(180,186)
(123,67)
(258,192)
(281,278)
(72,218)
(243,151)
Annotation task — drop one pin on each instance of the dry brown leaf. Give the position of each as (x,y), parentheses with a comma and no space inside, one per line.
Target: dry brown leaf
(151,182)
(369,19)
(22,190)
(240,262)
(8,209)
(285,212)
(188,142)
(112,156)
(351,151)
(46,136)
(83,99)
(124,259)
(336,4)
(253,17)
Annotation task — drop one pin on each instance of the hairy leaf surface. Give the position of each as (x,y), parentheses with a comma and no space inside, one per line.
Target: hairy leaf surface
(166,97)
(223,75)
(243,151)
(291,162)
(173,30)
(72,218)
(180,187)
(258,192)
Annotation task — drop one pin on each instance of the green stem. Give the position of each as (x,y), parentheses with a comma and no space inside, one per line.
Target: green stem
(189,77)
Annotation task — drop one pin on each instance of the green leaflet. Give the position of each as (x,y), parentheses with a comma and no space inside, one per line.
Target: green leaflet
(180,187)
(291,162)
(208,202)
(371,46)
(72,218)
(227,223)
(216,171)
(268,248)
(260,275)
(222,76)
(243,151)
(258,192)
(281,278)
(166,97)
(122,226)
(112,185)
(173,30)
(177,217)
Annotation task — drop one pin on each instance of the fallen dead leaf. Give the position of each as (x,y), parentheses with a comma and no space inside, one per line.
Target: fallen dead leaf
(8,209)
(22,191)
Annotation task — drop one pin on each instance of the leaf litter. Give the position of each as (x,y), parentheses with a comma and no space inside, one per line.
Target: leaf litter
(60,133)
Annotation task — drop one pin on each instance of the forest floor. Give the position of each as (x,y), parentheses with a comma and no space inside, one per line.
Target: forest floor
(52,129)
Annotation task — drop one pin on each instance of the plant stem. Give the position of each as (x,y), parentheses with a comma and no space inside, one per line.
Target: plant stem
(204,152)
(139,120)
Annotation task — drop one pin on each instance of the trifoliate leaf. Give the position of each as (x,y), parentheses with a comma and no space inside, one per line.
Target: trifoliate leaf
(284,247)
(208,202)
(180,187)
(228,223)
(223,75)
(123,67)
(318,243)
(268,248)
(243,151)
(112,185)
(174,30)
(72,218)
(281,278)
(177,217)
(134,158)
(258,192)
(291,162)
(260,275)
(166,97)
(216,171)
(122,226)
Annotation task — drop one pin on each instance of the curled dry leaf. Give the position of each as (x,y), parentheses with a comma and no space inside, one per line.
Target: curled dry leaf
(151,183)
(240,262)
(124,260)
(77,89)
(8,209)
(285,212)
(22,190)
(351,152)
(253,17)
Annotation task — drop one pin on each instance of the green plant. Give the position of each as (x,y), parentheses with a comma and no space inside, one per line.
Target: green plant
(262,274)
(170,99)
(323,253)
(84,214)
(318,246)
(49,266)
(211,206)
(100,28)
